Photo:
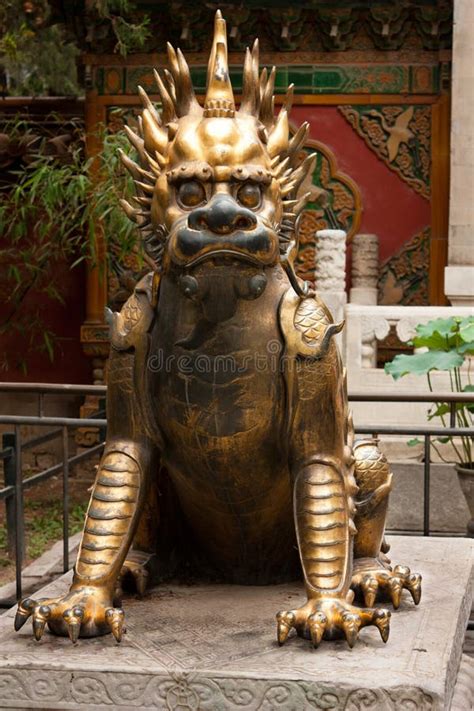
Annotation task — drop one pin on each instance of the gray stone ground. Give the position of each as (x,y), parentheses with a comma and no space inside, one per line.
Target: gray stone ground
(449,511)
(213,647)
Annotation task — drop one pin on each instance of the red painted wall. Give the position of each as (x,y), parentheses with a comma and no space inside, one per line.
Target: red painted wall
(70,365)
(390,208)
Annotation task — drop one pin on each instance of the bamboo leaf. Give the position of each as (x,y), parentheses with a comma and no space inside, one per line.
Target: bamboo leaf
(49,345)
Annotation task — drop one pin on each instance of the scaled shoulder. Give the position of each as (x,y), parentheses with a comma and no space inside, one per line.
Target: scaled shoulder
(307,325)
(135,316)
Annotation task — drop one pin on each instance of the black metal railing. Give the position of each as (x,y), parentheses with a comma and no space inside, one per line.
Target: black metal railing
(14,446)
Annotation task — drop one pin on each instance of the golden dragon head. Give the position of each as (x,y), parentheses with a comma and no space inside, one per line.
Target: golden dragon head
(214,181)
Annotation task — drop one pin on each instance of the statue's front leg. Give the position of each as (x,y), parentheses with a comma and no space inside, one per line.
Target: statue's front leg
(118,495)
(373,577)
(87,610)
(322,466)
(323,519)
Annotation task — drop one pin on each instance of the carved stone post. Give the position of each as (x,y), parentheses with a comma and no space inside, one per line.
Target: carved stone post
(330,270)
(459,274)
(365,269)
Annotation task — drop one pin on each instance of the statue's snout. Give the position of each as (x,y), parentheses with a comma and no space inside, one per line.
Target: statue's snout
(222,216)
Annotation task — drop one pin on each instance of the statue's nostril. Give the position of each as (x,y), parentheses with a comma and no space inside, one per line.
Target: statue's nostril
(242,223)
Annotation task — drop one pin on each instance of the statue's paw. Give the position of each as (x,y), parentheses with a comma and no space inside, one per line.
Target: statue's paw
(329,618)
(371,581)
(84,612)
(135,569)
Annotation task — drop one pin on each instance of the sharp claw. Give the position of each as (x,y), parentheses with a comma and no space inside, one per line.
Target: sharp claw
(73,630)
(403,571)
(115,618)
(351,627)
(382,622)
(40,617)
(282,633)
(73,618)
(413,584)
(25,608)
(395,586)
(38,628)
(369,587)
(285,621)
(317,624)
(140,575)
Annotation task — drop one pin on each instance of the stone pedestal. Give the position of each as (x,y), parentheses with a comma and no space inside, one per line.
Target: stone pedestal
(212,647)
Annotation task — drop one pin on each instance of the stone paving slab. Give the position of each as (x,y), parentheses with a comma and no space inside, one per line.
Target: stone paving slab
(212,647)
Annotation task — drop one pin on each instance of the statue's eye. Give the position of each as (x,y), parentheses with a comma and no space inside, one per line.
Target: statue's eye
(249,195)
(191,193)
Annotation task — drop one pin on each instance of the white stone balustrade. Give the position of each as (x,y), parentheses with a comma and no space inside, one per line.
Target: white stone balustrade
(365,325)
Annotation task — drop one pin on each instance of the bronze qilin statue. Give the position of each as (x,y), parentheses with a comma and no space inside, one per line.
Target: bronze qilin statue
(230,450)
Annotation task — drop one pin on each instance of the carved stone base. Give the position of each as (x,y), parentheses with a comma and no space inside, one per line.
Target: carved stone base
(212,647)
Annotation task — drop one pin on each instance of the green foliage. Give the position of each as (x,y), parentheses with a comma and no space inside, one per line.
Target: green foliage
(44,526)
(41,64)
(47,526)
(447,343)
(49,219)
(423,363)
(38,57)
(130,35)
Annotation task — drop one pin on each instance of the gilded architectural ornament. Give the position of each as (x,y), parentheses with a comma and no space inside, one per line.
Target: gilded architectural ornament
(398,135)
(230,445)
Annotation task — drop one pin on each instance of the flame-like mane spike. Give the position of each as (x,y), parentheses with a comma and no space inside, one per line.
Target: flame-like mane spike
(169,111)
(267,109)
(250,84)
(180,86)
